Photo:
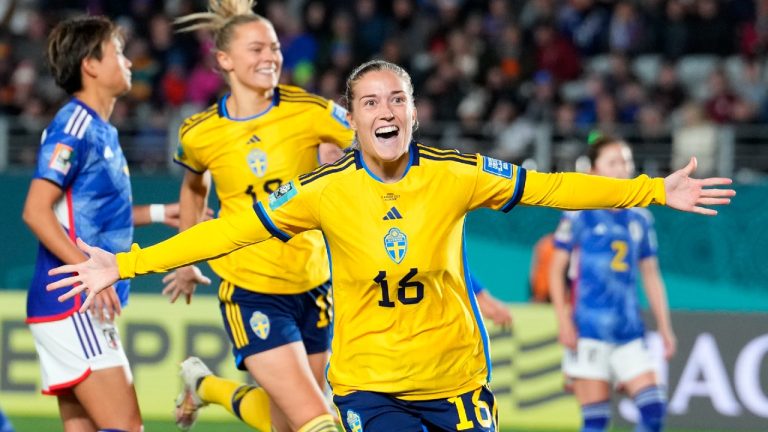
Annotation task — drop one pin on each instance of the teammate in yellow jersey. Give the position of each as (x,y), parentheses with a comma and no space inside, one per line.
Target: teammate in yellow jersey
(408,349)
(273,295)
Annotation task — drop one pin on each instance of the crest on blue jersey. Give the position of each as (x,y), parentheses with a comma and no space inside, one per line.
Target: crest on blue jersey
(354,422)
(497,167)
(340,114)
(282,195)
(396,244)
(257,162)
(260,325)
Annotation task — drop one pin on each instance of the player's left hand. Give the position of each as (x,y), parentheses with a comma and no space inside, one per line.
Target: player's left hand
(106,305)
(689,194)
(95,275)
(172,213)
(494,309)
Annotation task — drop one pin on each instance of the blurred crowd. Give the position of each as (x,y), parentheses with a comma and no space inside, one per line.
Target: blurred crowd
(670,71)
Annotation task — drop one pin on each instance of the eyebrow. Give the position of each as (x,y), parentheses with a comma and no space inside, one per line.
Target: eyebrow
(373,95)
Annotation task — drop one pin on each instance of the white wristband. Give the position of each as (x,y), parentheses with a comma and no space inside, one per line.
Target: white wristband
(157,213)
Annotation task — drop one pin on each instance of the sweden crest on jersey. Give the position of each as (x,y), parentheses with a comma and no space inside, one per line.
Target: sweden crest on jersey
(396,244)
(257,162)
(260,325)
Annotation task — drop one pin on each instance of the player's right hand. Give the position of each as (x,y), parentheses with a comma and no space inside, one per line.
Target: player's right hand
(568,336)
(95,275)
(183,280)
(106,305)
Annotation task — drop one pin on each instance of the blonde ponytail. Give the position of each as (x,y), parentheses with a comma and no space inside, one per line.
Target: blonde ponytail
(222,16)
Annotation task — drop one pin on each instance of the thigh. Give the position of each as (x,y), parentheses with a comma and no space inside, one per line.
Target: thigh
(375,412)
(471,411)
(590,361)
(73,415)
(104,390)
(315,319)
(632,361)
(285,375)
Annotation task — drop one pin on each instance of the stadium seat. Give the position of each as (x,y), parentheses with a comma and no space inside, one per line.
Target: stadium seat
(646,67)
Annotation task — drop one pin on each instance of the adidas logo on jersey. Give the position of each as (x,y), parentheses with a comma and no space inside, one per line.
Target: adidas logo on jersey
(254,139)
(393,214)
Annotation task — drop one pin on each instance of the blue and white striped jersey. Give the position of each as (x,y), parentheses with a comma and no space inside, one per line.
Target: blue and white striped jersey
(80,153)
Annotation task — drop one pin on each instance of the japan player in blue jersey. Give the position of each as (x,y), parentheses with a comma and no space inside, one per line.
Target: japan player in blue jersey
(602,329)
(81,188)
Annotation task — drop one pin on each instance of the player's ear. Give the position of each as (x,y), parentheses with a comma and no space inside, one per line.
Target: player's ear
(351,121)
(415,119)
(88,66)
(224,61)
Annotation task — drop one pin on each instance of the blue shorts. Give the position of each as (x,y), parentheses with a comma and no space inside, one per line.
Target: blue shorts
(258,322)
(376,412)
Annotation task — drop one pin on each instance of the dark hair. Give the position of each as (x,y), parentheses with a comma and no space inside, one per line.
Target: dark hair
(372,66)
(73,41)
(597,142)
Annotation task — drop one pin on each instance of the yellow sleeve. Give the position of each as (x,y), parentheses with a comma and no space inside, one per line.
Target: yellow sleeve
(203,241)
(334,127)
(290,210)
(185,156)
(498,184)
(574,191)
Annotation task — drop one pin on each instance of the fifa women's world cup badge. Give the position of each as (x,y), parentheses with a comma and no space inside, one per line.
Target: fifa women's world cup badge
(396,244)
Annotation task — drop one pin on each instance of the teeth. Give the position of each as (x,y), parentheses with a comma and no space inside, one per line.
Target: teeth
(386,129)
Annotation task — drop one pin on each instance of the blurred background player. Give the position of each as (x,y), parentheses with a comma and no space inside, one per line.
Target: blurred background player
(391,277)
(603,329)
(274,295)
(81,188)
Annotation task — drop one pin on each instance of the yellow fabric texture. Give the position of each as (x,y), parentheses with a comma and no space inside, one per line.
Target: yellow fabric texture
(250,158)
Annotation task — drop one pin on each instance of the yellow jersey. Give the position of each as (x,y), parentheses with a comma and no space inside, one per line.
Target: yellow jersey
(250,158)
(405,323)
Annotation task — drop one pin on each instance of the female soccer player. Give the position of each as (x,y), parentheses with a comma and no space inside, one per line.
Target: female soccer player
(273,295)
(408,349)
(603,334)
(81,188)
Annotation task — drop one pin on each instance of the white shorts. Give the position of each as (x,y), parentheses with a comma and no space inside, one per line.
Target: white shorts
(71,348)
(609,362)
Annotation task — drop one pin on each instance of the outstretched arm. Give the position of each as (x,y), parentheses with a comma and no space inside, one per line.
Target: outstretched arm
(573,191)
(205,241)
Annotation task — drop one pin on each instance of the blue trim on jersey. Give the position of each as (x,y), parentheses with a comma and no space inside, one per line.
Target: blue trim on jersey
(518,193)
(473,302)
(333,321)
(268,224)
(188,167)
(477,287)
(225,113)
(411,150)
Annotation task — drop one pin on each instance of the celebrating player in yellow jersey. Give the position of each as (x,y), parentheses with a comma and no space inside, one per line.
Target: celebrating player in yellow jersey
(273,295)
(409,350)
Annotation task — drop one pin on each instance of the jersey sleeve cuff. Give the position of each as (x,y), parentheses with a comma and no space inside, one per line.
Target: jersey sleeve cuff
(188,167)
(517,194)
(268,224)
(659,193)
(126,262)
